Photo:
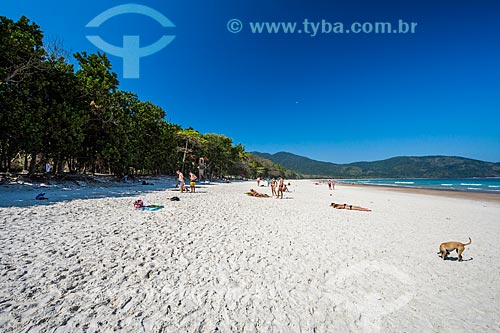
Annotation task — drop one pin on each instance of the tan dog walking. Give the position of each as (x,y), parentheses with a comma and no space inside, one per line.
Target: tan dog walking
(446,248)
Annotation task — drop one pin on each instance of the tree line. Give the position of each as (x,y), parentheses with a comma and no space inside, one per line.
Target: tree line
(81,122)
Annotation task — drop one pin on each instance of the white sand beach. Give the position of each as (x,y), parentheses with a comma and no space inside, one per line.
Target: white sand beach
(219,260)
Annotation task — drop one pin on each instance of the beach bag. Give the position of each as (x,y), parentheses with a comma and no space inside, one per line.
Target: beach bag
(138,204)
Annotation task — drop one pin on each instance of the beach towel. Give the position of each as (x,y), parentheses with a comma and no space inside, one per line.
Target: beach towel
(151,207)
(139,204)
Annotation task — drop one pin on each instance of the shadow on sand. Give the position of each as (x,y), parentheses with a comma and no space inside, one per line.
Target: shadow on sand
(456,259)
(23,193)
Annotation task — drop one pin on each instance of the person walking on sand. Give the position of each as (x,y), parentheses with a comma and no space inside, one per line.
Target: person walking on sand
(333,184)
(192,181)
(281,183)
(329,184)
(180,181)
(273,187)
(258,181)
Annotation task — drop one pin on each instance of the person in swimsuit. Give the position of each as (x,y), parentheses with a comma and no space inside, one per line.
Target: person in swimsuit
(273,186)
(192,181)
(180,181)
(349,207)
(281,182)
(254,193)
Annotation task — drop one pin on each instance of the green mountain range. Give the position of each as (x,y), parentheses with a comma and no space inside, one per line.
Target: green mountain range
(396,167)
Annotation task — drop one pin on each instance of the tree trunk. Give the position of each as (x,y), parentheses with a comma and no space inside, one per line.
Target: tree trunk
(184,157)
(60,167)
(32,166)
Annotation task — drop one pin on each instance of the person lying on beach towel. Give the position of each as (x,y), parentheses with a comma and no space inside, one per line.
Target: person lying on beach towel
(139,204)
(254,193)
(349,207)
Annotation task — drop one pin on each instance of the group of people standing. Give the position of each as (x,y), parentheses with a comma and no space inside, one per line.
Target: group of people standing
(331,184)
(278,186)
(182,184)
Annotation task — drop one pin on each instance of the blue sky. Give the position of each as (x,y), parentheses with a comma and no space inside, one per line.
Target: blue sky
(332,97)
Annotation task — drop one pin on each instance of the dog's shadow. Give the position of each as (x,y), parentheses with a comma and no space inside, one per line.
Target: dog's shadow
(456,258)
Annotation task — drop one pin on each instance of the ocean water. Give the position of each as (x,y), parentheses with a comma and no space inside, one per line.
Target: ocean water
(490,185)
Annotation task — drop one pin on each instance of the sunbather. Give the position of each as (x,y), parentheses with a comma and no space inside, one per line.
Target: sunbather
(349,207)
(254,193)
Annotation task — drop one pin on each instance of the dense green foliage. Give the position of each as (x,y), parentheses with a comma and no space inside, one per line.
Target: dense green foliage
(397,167)
(255,166)
(81,122)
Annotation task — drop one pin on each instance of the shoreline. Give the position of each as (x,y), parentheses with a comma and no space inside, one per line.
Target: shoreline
(432,191)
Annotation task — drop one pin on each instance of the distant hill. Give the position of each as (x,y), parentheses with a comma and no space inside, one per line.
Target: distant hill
(396,167)
(254,166)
